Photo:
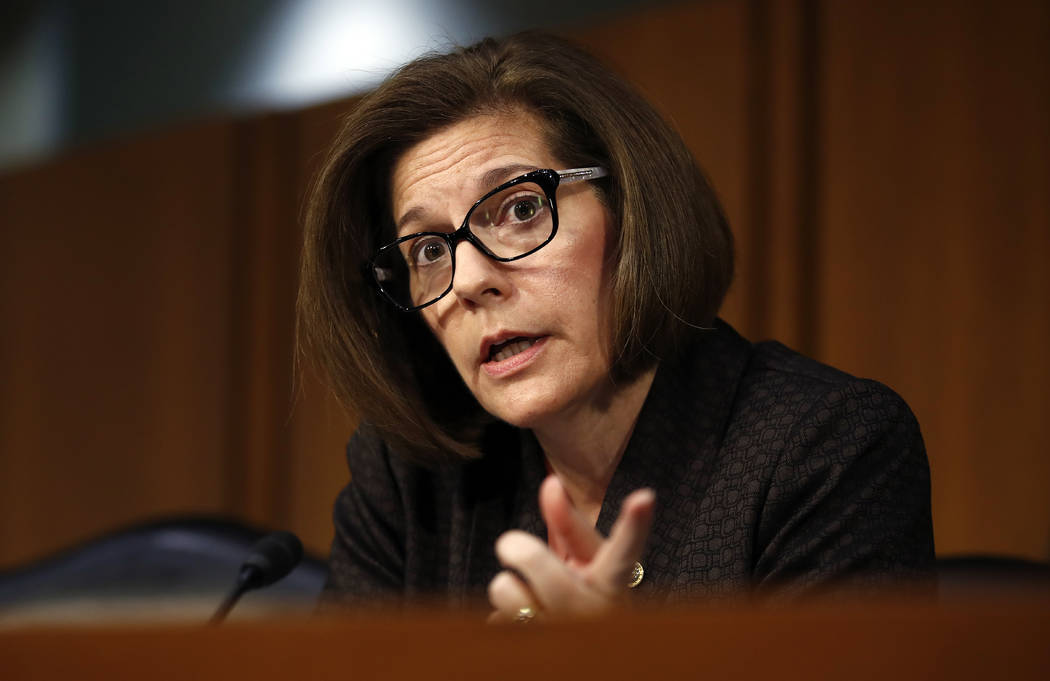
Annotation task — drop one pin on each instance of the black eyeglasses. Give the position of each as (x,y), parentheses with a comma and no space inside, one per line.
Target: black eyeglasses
(512,221)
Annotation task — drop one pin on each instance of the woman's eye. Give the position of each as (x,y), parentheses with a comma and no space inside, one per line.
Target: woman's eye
(523,208)
(429,252)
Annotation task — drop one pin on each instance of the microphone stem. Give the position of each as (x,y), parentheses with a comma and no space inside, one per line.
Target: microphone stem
(227,604)
(244,579)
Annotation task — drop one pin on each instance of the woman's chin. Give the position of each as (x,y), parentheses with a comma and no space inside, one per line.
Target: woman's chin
(539,415)
(545,401)
(526,414)
(520,419)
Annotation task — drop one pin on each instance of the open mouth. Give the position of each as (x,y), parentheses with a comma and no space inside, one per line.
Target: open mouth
(510,347)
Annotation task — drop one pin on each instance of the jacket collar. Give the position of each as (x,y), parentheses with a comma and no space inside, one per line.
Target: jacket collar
(680,428)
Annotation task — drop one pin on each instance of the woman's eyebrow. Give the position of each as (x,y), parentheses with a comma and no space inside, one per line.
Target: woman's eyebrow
(491,178)
(411,215)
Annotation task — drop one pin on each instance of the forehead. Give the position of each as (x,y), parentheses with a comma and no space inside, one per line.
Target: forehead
(462,158)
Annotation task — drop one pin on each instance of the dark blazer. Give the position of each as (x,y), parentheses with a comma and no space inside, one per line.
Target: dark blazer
(770,471)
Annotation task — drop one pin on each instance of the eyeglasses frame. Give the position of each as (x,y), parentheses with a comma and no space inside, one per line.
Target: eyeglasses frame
(549,180)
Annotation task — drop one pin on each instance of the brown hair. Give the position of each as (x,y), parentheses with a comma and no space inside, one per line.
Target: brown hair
(673,254)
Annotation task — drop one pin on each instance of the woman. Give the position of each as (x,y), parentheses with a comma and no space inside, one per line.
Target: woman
(512,271)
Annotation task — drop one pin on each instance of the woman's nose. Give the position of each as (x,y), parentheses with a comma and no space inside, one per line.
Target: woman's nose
(478,278)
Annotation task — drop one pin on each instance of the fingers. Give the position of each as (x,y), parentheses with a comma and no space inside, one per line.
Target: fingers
(570,535)
(594,577)
(507,595)
(614,560)
(555,586)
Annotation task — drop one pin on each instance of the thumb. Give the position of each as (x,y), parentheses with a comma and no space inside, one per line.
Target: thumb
(569,534)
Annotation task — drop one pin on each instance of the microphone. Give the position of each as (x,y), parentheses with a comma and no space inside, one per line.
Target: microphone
(272,557)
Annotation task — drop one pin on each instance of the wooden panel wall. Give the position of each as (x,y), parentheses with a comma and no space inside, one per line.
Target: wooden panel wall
(884,164)
(147,295)
(934,233)
(116,303)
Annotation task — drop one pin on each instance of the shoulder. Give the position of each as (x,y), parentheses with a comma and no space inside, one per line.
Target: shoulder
(846,484)
(398,484)
(378,480)
(773,362)
(805,423)
(387,490)
(806,420)
(760,400)
(371,458)
(379,476)
(384,520)
(367,455)
(782,387)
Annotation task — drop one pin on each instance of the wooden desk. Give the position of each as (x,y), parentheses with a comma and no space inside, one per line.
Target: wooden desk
(1000,640)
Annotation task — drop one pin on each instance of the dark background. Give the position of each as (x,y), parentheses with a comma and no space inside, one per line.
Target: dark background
(76,71)
(885,166)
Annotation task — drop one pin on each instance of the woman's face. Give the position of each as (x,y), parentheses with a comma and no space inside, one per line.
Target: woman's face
(529,337)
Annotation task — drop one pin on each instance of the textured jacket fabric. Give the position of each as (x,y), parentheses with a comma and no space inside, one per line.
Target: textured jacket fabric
(771,472)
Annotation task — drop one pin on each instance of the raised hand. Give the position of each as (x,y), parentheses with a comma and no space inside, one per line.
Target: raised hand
(579,572)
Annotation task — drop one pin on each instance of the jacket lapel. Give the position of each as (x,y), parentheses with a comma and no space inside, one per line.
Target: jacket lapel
(675,441)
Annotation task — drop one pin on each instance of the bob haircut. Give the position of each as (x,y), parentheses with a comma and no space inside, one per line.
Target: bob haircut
(672,255)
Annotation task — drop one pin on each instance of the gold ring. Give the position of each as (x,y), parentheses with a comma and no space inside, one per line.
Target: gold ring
(525,615)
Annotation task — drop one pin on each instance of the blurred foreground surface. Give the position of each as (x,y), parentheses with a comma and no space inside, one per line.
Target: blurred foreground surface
(858,640)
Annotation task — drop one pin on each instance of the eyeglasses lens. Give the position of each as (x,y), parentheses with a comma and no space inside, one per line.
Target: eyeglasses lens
(418,269)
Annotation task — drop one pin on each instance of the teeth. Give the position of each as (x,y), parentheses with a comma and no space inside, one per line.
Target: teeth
(512,348)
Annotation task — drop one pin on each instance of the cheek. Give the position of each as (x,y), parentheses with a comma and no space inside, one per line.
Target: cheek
(595,267)
(579,288)
(587,269)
